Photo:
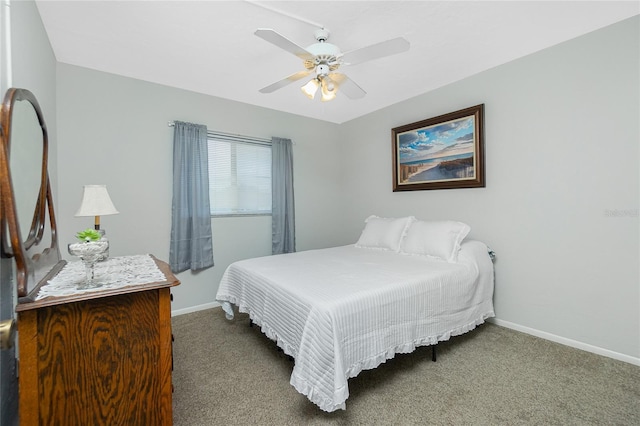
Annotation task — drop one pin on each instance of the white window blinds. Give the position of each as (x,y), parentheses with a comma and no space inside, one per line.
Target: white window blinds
(239,177)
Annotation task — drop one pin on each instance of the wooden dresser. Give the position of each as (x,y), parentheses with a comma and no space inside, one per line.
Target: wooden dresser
(98,358)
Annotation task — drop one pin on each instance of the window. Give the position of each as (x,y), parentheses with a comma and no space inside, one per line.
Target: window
(239,177)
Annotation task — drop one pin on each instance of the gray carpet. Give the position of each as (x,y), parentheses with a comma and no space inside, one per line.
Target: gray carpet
(226,373)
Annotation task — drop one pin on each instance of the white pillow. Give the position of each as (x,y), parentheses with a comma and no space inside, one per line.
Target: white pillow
(439,239)
(384,233)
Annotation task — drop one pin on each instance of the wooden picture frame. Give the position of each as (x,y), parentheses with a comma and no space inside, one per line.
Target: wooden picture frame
(443,152)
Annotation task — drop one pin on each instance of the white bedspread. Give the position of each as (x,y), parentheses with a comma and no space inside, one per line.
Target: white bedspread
(342,310)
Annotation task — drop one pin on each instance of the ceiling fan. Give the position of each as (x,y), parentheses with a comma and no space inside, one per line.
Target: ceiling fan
(323,59)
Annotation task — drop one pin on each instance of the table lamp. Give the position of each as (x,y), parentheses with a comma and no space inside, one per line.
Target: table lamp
(96,202)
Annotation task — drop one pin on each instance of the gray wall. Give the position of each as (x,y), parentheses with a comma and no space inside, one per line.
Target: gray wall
(562,138)
(113,130)
(34,67)
(26,61)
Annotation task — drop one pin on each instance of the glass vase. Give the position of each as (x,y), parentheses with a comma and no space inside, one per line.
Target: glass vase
(90,253)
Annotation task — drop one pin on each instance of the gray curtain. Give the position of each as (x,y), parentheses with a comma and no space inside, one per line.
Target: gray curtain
(191,240)
(283,233)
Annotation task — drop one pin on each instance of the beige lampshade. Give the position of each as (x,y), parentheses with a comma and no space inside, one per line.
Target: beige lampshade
(96,202)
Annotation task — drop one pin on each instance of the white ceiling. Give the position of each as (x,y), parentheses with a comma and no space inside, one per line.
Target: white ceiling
(209,46)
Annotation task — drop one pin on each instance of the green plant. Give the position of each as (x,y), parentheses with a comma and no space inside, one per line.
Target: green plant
(88,235)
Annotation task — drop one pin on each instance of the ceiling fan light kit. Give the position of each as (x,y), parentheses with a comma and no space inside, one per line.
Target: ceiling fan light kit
(310,88)
(324,59)
(329,90)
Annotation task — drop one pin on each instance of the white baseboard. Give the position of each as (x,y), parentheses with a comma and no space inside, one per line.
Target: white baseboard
(194,309)
(568,342)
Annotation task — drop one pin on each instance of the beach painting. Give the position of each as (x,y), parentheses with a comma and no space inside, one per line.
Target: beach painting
(441,152)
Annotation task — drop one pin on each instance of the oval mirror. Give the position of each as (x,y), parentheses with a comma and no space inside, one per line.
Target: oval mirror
(26,149)
(25,191)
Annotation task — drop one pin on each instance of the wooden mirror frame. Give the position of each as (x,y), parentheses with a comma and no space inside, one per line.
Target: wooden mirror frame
(31,264)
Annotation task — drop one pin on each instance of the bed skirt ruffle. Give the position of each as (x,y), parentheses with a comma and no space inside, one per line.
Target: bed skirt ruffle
(338,400)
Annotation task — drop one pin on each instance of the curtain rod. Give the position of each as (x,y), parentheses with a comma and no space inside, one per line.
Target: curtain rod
(232,136)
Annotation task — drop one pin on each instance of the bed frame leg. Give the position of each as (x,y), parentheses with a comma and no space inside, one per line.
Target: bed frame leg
(433,352)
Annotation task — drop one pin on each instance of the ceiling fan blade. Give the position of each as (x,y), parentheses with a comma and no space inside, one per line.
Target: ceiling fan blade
(284,43)
(285,81)
(347,86)
(375,51)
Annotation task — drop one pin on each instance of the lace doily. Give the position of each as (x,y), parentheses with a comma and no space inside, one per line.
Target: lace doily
(113,273)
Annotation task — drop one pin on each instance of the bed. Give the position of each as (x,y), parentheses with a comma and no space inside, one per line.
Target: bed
(337,311)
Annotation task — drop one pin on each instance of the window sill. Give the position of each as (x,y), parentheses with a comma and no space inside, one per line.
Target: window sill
(215,216)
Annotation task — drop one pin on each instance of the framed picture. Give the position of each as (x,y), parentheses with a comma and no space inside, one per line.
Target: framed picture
(442,152)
